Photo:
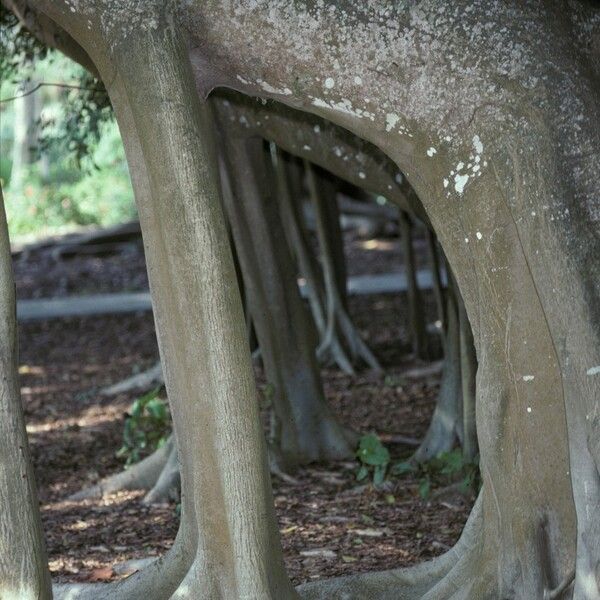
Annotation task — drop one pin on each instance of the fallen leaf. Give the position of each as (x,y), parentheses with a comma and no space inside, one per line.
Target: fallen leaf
(369,532)
(102,574)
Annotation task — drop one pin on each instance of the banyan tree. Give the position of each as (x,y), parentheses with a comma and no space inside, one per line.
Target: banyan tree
(490,113)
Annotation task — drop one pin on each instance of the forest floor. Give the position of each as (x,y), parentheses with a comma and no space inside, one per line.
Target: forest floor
(330,523)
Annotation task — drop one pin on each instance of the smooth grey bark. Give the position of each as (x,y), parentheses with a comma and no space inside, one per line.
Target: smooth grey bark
(307,429)
(416,111)
(24,573)
(200,329)
(445,428)
(207,368)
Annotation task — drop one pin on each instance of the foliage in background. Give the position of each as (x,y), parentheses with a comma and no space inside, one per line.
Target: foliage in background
(18,48)
(86,105)
(79,175)
(85,110)
(147,427)
(68,196)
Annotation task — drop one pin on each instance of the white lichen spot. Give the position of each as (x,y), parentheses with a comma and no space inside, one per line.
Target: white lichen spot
(398,178)
(459,166)
(594,370)
(528,377)
(533,213)
(345,106)
(329,83)
(446,182)
(529,409)
(361,175)
(459,182)
(306,147)
(448,138)
(478,234)
(390,121)
(357,80)
(316,129)
(273,90)
(431,151)
(245,81)
(466,240)
(477,144)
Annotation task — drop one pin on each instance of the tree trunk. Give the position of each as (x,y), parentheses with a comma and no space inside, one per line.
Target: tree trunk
(416,317)
(445,428)
(226,494)
(308,429)
(24,140)
(337,318)
(331,221)
(24,571)
(297,239)
(200,329)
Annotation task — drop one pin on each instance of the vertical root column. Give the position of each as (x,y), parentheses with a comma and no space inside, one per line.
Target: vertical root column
(226,495)
(338,321)
(24,571)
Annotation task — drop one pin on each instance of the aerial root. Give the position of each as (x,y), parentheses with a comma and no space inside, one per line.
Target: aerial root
(141,476)
(140,382)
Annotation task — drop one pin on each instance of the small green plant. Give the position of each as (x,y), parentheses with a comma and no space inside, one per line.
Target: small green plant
(445,469)
(374,458)
(146,429)
(394,380)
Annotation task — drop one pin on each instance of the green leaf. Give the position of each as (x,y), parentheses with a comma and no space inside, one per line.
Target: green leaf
(371,451)
(424,488)
(362,473)
(379,475)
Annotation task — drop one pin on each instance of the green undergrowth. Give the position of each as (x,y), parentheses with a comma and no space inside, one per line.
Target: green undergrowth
(447,469)
(147,427)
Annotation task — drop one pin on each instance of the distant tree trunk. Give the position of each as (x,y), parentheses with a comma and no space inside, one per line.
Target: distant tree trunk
(308,429)
(331,222)
(416,316)
(468,372)
(26,109)
(338,319)
(434,261)
(307,266)
(24,571)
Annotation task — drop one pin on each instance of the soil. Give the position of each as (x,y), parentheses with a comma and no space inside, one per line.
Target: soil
(330,523)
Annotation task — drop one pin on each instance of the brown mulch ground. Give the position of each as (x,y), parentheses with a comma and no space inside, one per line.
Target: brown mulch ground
(329,525)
